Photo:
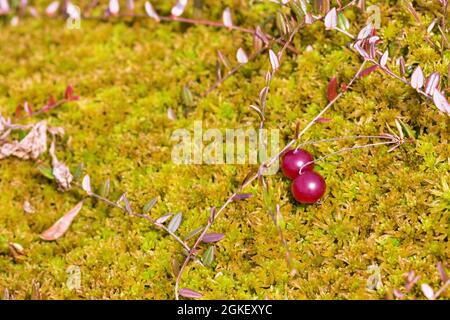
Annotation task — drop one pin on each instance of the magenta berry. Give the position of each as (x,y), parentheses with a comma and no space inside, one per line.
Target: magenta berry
(308,187)
(293,160)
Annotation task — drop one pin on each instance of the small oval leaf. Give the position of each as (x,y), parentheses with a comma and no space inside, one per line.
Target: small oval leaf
(427,291)
(149,205)
(241,56)
(226,16)
(441,102)
(331,19)
(164,218)
(178,9)
(151,12)
(86,184)
(208,256)
(332,89)
(384,58)
(189,293)
(175,222)
(212,237)
(186,95)
(114,7)
(193,233)
(78,172)
(52,8)
(417,78)
(58,229)
(274,60)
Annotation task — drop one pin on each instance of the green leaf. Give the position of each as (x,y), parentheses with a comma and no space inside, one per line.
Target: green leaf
(282,24)
(78,172)
(46,172)
(22,134)
(193,233)
(175,222)
(186,95)
(409,133)
(149,205)
(297,10)
(343,22)
(208,256)
(104,190)
(268,201)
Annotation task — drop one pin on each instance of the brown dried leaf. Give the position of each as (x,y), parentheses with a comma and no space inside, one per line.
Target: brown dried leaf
(27,207)
(58,229)
(60,171)
(31,147)
(332,89)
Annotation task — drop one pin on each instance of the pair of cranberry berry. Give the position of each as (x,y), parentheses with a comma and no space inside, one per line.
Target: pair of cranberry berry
(308,186)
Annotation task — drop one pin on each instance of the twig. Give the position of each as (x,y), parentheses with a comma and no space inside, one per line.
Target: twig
(40,111)
(156,224)
(193,21)
(347,149)
(442,289)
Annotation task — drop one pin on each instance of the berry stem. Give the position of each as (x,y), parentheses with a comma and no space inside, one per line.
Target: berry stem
(348,149)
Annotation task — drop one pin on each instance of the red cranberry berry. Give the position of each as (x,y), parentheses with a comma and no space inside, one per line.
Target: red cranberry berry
(308,187)
(293,160)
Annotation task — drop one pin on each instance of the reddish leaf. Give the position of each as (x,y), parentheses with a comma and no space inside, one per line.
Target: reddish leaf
(442,272)
(242,196)
(189,293)
(51,101)
(212,237)
(401,65)
(18,111)
(58,229)
(323,120)
(50,104)
(332,89)
(69,92)
(367,71)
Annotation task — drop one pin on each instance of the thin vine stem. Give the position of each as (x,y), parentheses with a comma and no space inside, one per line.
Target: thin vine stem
(340,139)
(204,22)
(156,224)
(256,176)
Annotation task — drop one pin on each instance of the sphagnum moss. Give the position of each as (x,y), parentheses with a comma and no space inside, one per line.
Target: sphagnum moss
(391,209)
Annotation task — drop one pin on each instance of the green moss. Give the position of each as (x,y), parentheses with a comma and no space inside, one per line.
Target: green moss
(389,208)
